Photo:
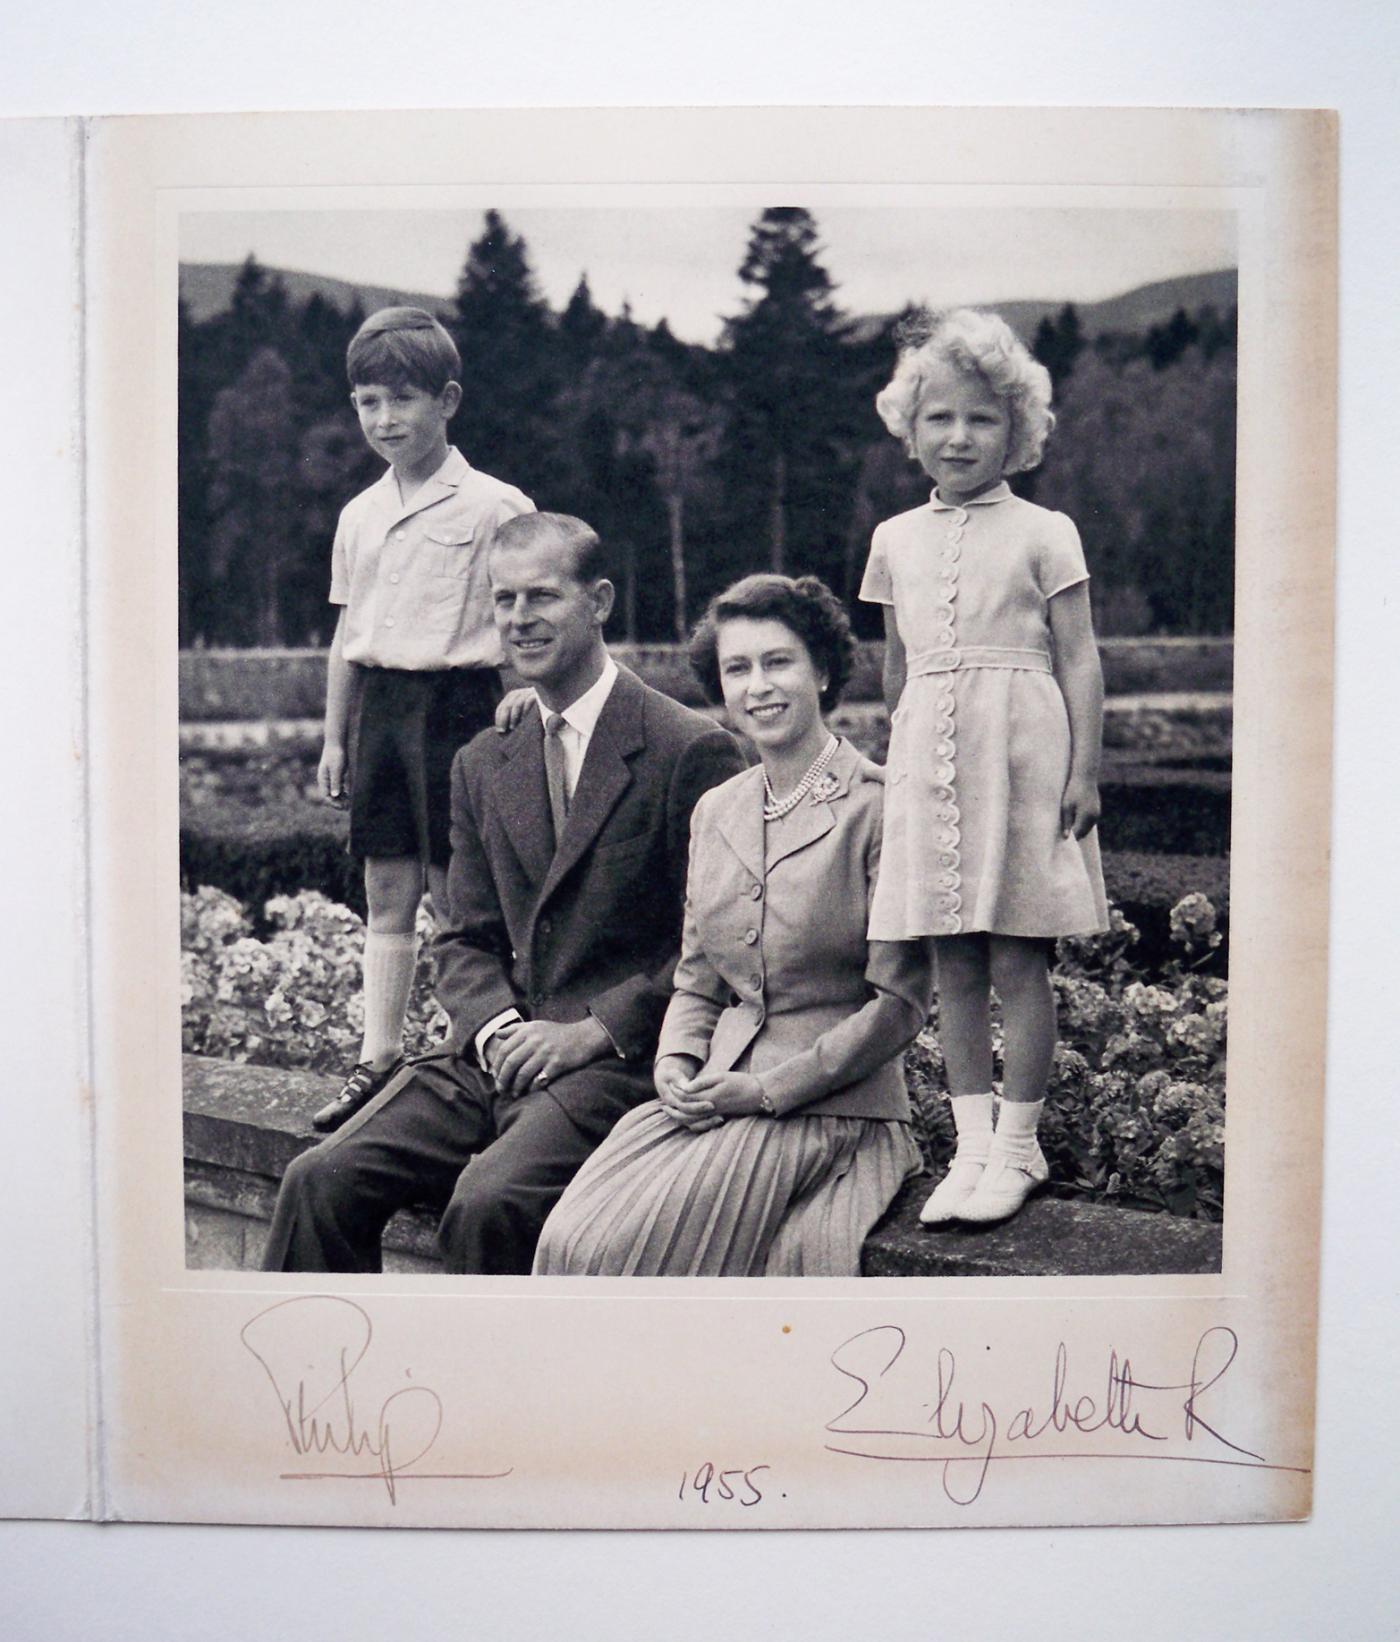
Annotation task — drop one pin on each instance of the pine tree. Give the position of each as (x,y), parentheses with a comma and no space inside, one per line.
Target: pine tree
(791,402)
(582,327)
(253,443)
(1166,343)
(1059,342)
(509,362)
(258,314)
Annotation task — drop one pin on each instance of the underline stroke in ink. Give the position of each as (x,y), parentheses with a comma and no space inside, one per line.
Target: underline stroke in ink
(310,1348)
(1139,1415)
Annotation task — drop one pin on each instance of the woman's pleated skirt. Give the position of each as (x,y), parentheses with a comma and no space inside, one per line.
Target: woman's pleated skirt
(754,1197)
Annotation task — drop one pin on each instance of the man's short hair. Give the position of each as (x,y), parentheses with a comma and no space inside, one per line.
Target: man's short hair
(590,560)
(397,347)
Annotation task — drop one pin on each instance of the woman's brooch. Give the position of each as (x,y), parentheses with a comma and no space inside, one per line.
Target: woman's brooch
(825,789)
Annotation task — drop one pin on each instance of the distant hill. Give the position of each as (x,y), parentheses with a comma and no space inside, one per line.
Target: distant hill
(207,289)
(1134,310)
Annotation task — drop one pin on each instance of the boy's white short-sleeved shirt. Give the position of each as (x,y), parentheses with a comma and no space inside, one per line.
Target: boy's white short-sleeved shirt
(413,577)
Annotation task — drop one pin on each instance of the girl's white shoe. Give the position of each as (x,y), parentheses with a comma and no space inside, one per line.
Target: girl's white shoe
(956,1187)
(1007,1181)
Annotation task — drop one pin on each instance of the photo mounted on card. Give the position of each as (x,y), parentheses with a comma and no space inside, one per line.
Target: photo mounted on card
(696,749)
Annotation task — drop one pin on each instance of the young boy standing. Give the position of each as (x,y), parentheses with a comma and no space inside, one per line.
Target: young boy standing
(413,664)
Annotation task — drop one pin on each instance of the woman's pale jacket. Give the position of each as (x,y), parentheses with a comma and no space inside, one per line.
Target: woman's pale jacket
(776,977)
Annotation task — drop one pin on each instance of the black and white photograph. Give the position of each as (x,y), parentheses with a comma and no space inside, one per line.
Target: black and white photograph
(687,768)
(555,893)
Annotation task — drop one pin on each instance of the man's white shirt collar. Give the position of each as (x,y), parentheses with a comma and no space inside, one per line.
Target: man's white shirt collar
(582,715)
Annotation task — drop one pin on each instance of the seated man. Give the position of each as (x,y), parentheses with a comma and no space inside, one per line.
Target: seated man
(561,930)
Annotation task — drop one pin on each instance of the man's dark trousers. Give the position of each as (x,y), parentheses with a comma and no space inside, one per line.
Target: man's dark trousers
(441,1135)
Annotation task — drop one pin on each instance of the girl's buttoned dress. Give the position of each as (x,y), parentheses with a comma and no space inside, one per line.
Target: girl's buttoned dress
(777,979)
(980,741)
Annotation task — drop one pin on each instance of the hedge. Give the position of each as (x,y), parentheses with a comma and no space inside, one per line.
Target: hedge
(280,849)
(281,684)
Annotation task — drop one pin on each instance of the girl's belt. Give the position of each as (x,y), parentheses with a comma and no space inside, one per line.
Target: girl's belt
(984,655)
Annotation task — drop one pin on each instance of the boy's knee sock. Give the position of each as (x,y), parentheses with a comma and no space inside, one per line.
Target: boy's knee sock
(388,975)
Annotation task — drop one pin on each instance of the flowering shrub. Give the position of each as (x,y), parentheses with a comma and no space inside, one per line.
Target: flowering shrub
(295,998)
(1135,1110)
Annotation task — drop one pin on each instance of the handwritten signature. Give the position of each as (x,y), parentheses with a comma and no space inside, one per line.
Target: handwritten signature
(310,1348)
(1137,1412)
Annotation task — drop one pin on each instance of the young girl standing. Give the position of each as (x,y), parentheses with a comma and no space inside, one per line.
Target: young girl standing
(993,682)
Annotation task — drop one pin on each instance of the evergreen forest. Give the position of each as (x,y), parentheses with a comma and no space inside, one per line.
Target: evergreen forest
(695,463)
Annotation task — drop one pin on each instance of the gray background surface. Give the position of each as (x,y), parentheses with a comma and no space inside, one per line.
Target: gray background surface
(1333,1576)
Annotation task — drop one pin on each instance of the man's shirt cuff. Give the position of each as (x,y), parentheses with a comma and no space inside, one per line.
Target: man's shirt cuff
(506,1018)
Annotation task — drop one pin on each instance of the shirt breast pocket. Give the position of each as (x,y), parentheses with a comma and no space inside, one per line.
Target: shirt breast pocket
(450,550)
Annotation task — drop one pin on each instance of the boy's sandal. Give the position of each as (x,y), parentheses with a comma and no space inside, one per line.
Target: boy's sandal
(363,1084)
(1005,1185)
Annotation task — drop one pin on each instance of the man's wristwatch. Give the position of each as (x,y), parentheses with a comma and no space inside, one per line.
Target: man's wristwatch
(765,1104)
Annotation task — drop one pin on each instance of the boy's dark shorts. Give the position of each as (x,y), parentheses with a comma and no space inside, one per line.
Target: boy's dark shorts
(405,729)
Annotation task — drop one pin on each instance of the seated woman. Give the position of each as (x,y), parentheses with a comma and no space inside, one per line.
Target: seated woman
(780,1133)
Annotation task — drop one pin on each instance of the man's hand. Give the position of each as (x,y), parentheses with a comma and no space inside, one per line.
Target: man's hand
(330,776)
(514,706)
(526,1054)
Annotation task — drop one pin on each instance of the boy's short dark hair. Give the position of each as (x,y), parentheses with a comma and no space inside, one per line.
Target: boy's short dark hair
(589,555)
(805,605)
(397,347)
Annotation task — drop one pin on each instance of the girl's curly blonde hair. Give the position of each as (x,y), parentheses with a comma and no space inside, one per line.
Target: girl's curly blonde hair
(974,342)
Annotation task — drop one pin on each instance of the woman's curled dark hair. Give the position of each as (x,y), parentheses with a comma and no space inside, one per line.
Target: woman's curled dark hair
(804,604)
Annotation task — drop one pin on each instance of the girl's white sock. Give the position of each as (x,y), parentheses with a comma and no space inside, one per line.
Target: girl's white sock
(972,1118)
(1017,1123)
(388,975)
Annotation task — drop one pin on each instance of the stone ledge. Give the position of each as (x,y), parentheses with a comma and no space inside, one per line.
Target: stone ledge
(245,1124)
(1051,1237)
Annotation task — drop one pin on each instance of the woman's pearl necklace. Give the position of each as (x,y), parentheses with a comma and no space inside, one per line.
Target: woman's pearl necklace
(775,808)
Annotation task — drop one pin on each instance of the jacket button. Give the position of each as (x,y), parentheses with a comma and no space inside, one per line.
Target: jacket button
(755,981)
(750,937)
(545,927)
(757,892)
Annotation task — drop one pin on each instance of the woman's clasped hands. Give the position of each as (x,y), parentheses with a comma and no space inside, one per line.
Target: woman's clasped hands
(700,1100)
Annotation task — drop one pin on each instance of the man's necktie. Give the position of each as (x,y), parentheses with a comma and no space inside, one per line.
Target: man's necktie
(554,773)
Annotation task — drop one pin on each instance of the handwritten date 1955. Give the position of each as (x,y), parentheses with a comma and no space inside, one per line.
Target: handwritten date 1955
(707,1484)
